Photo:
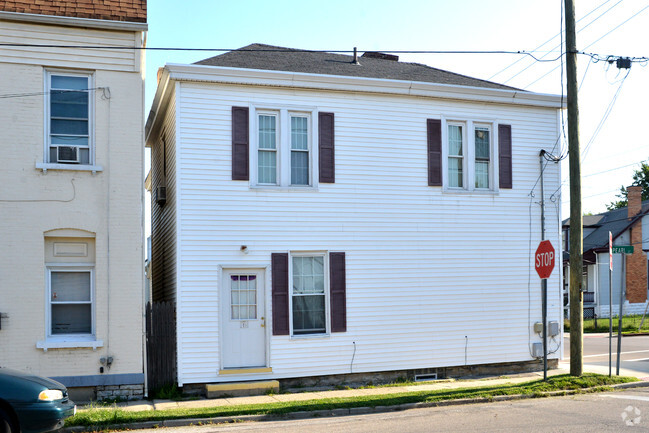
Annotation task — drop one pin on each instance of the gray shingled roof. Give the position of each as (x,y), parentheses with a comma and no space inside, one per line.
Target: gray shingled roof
(615,221)
(268,57)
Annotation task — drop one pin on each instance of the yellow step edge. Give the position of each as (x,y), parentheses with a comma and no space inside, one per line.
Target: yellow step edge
(237,386)
(246,370)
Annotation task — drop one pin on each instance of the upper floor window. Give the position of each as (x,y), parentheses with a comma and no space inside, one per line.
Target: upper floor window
(283,154)
(69,118)
(469,156)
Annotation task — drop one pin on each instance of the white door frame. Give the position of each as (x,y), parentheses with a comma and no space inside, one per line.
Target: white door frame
(263,309)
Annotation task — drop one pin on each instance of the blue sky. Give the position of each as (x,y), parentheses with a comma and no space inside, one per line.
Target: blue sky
(469,25)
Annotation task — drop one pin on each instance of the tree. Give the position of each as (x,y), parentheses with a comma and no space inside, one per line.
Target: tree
(640,178)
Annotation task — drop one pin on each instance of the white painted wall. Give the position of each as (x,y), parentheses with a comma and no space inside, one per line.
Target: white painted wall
(433,278)
(107,204)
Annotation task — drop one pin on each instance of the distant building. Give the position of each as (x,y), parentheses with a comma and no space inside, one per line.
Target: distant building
(627,226)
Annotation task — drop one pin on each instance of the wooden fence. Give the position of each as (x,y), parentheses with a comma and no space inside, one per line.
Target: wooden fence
(160,344)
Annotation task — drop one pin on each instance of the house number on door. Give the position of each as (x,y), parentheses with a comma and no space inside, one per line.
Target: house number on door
(244,323)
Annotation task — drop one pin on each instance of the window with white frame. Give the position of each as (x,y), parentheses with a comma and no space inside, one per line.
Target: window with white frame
(309,291)
(456,155)
(70,298)
(482,142)
(284,155)
(469,150)
(69,118)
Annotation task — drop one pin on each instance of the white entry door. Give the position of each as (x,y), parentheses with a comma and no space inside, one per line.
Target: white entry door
(243,323)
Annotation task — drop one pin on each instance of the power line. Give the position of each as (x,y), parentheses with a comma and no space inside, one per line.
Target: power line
(597,57)
(552,38)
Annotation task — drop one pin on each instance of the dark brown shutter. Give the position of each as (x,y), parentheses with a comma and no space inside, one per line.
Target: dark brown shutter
(338,292)
(279,262)
(326,151)
(434,138)
(240,143)
(505,156)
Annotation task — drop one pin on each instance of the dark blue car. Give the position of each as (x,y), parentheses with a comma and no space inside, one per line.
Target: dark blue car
(32,404)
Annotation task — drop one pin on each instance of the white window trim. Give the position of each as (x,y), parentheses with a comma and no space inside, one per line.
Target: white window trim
(325,256)
(469,155)
(69,340)
(46,164)
(283,125)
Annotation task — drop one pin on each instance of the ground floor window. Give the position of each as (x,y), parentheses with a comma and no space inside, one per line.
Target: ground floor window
(308,295)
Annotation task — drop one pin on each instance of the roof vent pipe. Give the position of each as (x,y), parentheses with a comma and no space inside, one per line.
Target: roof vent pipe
(355,57)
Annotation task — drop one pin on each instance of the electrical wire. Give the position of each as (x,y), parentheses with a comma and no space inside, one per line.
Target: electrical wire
(74,195)
(552,38)
(561,43)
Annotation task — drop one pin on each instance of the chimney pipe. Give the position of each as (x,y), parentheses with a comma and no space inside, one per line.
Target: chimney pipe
(355,57)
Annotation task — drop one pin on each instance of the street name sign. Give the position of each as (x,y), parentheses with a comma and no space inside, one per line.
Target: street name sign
(623,249)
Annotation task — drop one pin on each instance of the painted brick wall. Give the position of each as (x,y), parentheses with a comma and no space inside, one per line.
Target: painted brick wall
(108,204)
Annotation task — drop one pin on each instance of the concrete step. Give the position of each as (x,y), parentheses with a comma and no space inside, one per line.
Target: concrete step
(236,389)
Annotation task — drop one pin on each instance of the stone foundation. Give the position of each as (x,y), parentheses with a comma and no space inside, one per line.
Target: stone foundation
(120,392)
(355,380)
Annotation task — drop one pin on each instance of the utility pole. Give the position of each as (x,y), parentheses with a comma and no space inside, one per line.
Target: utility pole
(576,230)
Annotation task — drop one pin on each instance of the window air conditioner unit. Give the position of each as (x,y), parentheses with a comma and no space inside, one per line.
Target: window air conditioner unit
(67,154)
(161,195)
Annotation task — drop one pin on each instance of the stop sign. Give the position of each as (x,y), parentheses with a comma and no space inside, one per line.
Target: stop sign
(544,259)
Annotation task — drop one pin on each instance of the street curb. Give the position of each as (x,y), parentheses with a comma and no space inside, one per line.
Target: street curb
(327,413)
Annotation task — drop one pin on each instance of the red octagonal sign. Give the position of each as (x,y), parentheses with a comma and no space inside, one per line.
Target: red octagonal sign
(544,259)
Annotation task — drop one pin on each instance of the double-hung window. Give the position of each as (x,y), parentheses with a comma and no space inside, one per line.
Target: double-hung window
(70,294)
(267,152)
(469,156)
(68,118)
(456,155)
(482,143)
(309,294)
(283,154)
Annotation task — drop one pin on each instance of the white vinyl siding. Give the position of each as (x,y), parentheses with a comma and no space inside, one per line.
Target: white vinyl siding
(163,218)
(433,275)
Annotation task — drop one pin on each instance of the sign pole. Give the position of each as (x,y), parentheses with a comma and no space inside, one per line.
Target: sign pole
(544,282)
(619,319)
(610,304)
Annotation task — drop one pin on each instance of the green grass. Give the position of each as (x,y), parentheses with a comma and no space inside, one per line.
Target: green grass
(630,324)
(102,417)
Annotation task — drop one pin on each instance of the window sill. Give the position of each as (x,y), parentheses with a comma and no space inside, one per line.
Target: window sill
(283,188)
(69,343)
(69,167)
(310,336)
(462,191)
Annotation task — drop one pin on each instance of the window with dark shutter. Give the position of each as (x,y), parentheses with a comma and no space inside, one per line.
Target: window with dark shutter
(279,263)
(338,289)
(434,138)
(505,156)
(326,151)
(240,143)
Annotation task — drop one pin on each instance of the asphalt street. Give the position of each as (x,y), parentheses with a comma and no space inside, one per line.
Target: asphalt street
(634,355)
(626,410)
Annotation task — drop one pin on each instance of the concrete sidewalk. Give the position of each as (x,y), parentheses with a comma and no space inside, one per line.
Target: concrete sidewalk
(445,384)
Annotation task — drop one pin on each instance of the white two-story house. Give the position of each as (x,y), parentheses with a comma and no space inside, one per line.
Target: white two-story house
(71,209)
(317,214)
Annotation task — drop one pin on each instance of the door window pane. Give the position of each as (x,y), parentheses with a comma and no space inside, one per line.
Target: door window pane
(243,297)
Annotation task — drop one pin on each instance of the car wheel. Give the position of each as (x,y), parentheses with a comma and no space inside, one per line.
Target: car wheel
(6,423)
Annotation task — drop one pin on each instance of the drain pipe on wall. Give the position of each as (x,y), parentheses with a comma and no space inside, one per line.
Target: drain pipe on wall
(351,364)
